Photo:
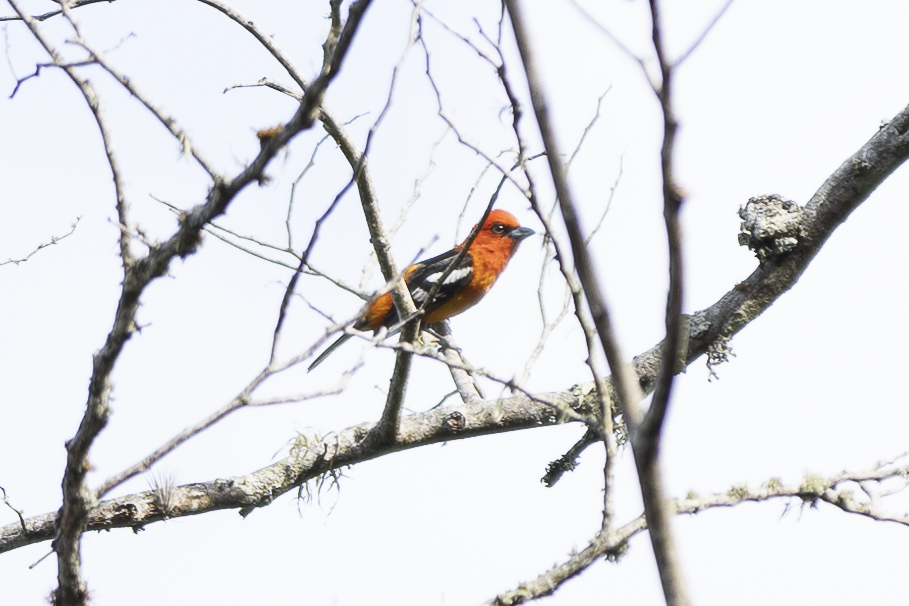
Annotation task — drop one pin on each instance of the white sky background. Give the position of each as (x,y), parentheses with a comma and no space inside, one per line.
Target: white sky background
(774,100)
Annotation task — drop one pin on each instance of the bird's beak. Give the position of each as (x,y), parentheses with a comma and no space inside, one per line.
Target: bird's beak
(519,233)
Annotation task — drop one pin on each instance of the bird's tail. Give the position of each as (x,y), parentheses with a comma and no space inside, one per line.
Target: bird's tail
(328,352)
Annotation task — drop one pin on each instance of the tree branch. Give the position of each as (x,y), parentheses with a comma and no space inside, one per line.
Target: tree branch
(348,447)
(810,491)
(46,16)
(53,241)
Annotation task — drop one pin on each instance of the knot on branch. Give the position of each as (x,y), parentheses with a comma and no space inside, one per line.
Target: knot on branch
(771,226)
(455,422)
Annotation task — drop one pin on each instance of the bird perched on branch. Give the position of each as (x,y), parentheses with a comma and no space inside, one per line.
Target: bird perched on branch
(462,288)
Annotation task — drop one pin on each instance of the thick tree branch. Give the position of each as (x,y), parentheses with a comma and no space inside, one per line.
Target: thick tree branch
(348,447)
(830,206)
(76,497)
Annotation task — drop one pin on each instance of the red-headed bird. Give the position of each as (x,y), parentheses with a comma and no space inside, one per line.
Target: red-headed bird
(464,286)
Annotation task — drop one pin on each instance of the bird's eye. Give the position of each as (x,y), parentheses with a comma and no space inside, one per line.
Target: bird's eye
(498,229)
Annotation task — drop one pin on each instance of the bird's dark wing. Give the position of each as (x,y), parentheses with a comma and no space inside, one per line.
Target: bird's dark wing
(424,276)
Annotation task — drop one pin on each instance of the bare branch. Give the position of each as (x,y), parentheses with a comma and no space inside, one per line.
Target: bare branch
(581,256)
(609,35)
(168,121)
(468,388)
(549,327)
(387,429)
(461,138)
(53,241)
(457,363)
(587,129)
(703,35)
(348,447)
(473,189)
(569,460)
(76,498)
(607,206)
(613,545)
(417,194)
(334,128)
(310,270)
(482,53)
(293,190)
(628,390)
(243,399)
(648,435)
(268,83)
(320,457)
(38,68)
(264,39)
(604,394)
(18,513)
(46,16)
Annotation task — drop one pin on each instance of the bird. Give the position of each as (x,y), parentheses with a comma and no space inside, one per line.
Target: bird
(467,283)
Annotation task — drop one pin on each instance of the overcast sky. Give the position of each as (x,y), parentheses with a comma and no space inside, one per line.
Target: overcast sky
(772,102)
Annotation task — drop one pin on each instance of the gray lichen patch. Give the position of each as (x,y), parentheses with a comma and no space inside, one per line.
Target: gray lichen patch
(771,226)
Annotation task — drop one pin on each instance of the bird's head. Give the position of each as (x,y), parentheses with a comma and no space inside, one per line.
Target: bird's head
(503,224)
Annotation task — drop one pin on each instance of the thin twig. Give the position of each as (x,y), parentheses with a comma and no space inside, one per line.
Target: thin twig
(46,16)
(703,35)
(169,122)
(243,399)
(608,205)
(461,138)
(613,545)
(549,327)
(453,363)
(38,68)
(296,183)
(264,39)
(53,241)
(473,189)
(609,35)
(268,83)
(18,513)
